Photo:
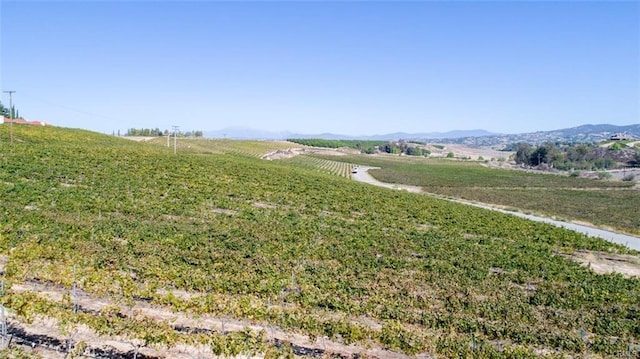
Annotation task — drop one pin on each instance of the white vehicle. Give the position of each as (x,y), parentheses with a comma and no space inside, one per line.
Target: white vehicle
(354,169)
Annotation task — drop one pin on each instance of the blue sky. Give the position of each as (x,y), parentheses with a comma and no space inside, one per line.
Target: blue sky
(357,68)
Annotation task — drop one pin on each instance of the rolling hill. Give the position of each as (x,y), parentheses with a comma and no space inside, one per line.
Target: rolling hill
(110,245)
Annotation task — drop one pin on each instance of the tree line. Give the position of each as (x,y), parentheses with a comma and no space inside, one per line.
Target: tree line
(320,142)
(9,112)
(581,156)
(366,146)
(403,147)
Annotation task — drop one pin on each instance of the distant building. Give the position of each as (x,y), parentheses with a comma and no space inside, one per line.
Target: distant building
(621,137)
(22,121)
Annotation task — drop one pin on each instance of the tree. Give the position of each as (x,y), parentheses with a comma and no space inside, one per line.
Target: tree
(9,112)
(413,151)
(615,147)
(577,153)
(523,153)
(538,156)
(635,162)
(546,153)
(387,147)
(4,111)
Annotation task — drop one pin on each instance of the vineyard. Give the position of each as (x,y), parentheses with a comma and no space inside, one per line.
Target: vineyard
(606,203)
(260,149)
(355,144)
(255,149)
(208,253)
(342,169)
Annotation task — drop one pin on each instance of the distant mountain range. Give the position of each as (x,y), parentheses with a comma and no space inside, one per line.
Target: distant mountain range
(584,133)
(247,133)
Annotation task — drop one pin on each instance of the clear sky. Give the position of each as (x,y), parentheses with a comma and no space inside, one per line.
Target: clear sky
(356,67)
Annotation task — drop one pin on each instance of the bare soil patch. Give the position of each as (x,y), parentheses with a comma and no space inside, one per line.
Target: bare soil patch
(229,212)
(605,263)
(460,150)
(140,138)
(282,154)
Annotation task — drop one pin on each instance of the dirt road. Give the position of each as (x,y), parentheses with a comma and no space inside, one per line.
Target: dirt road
(624,239)
(363,176)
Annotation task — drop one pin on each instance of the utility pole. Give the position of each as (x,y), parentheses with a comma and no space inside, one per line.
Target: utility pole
(175,139)
(10,112)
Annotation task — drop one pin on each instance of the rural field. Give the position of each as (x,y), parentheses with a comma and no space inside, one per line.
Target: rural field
(124,249)
(606,203)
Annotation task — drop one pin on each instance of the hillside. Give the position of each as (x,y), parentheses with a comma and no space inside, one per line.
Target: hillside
(579,134)
(210,252)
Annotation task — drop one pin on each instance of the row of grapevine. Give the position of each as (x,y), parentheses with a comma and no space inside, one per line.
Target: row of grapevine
(310,253)
(252,148)
(601,202)
(338,168)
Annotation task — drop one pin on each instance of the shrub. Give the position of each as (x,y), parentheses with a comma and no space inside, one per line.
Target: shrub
(604,175)
(629,177)
(616,146)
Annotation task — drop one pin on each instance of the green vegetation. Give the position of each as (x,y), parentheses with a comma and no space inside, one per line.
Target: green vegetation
(368,147)
(157,132)
(342,169)
(580,156)
(364,146)
(607,203)
(9,112)
(274,243)
(404,148)
(256,149)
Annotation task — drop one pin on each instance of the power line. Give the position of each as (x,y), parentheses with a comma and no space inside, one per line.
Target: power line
(68,107)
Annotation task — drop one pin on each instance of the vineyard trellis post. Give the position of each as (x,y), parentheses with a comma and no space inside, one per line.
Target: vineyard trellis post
(74,292)
(4,320)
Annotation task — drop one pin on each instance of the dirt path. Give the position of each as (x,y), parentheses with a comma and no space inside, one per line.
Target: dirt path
(363,176)
(624,239)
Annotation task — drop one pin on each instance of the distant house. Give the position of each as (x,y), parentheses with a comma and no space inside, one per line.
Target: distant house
(22,121)
(621,137)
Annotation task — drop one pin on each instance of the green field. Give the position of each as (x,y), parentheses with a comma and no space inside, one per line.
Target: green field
(605,203)
(219,146)
(272,243)
(342,169)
